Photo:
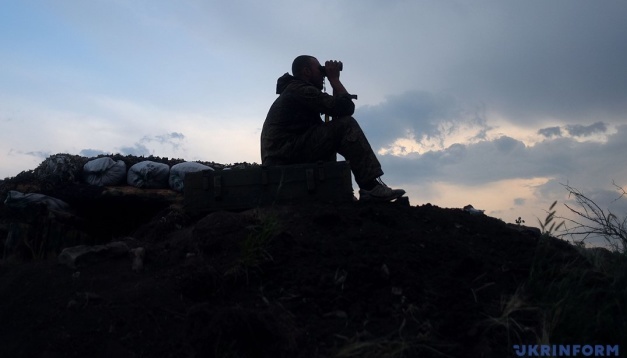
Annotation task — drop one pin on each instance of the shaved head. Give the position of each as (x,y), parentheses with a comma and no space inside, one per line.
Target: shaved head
(300,63)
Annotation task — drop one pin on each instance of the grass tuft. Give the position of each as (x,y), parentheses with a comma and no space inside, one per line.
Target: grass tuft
(254,249)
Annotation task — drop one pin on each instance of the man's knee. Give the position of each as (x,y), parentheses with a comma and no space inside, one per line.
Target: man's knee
(349,128)
(346,120)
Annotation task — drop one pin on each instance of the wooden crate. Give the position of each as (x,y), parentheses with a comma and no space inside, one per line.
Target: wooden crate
(240,189)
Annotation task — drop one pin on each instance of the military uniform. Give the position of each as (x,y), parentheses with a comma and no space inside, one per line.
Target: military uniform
(293,131)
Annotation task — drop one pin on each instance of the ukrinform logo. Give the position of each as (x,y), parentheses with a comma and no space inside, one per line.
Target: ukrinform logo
(566,350)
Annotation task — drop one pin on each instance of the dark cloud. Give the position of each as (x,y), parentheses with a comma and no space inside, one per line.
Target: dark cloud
(564,159)
(535,59)
(526,60)
(506,144)
(550,132)
(519,201)
(420,114)
(575,130)
(138,150)
(478,163)
(578,130)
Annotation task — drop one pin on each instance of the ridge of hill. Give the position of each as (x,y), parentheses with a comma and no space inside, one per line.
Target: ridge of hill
(310,280)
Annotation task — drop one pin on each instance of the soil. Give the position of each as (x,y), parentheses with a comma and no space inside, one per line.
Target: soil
(309,280)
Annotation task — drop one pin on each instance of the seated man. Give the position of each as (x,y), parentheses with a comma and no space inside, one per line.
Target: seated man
(293,131)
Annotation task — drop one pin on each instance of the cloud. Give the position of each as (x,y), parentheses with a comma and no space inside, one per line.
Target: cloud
(161,144)
(508,145)
(578,130)
(428,118)
(585,163)
(138,149)
(532,61)
(39,154)
(174,140)
(574,130)
(550,132)
(174,135)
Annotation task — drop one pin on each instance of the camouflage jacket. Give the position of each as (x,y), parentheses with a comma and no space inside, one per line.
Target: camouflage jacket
(297,108)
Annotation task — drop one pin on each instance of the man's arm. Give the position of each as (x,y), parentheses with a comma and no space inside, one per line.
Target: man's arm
(343,100)
(333,74)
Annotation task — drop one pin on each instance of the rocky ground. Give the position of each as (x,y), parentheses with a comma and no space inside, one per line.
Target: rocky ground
(314,280)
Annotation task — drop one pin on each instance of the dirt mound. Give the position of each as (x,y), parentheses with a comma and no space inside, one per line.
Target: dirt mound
(314,280)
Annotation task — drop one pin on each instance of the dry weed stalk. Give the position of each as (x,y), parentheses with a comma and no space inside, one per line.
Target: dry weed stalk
(598,223)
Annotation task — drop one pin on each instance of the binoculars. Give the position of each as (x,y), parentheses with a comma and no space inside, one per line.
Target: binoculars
(324,70)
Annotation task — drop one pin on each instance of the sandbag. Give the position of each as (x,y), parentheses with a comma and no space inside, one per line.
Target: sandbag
(148,175)
(17,200)
(104,171)
(178,171)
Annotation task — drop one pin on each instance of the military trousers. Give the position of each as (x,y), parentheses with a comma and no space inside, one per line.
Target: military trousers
(342,135)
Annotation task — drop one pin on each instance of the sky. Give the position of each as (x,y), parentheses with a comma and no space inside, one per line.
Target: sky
(496,104)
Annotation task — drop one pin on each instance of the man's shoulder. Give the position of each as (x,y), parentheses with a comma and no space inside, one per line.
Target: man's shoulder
(303,88)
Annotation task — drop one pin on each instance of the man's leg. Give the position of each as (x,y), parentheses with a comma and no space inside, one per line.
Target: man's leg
(342,135)
(366,167)
(354,146)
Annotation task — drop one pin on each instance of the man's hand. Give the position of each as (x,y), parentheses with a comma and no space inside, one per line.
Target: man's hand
(332,69)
